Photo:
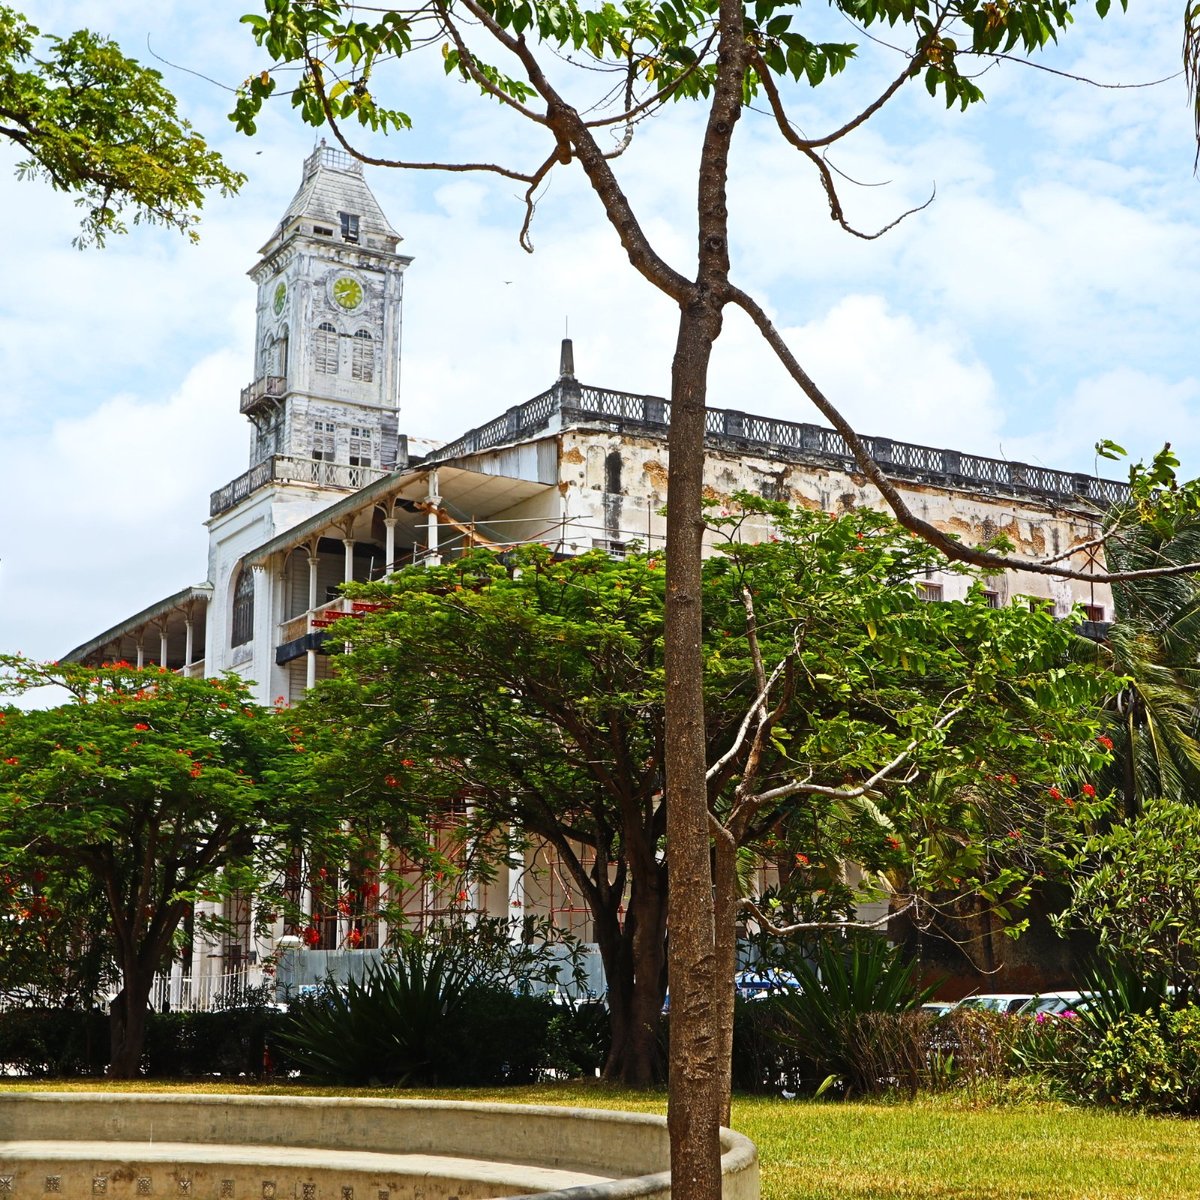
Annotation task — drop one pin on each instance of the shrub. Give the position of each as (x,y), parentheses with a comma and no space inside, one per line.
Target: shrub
(1149,1061)
(834,1018)
(54,1042)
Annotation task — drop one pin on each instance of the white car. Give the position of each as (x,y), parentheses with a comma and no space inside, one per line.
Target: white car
(997,1002)
(1055,1004)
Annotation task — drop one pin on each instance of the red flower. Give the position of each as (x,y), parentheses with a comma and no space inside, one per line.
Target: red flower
(1055,794)
(408,762)
(196,771)
(1015,834)
(13,762)
(391,781)
(312,936)
(894,842)
(141,726)
(1088,790)
(461,897)
(802,860)
(1106,742)
(354,938)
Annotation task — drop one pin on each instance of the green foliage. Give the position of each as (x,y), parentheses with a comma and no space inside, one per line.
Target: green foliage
(1147,1060)
(53,1042)
(827,1015)
(121,809)
(1137,889)
(440,1012)
(666,50)
(1153,722)
(390,1028)
(61,1043)
(99,125)
(1114,991)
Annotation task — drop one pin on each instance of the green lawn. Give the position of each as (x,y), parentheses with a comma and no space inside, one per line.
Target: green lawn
(937,1149)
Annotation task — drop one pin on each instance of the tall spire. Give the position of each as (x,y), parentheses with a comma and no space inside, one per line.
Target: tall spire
(566,360)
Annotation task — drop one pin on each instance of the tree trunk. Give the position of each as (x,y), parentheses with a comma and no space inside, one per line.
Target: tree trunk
(633,957)
(695,1103)
(725,899)
(127,1024)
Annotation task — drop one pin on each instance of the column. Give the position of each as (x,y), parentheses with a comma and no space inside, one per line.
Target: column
(141,654)
(189,628)
(433,559)
(314,562)
(162,644)
(389,549)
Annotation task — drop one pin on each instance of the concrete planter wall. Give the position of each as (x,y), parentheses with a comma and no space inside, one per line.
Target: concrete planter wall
(211,1147)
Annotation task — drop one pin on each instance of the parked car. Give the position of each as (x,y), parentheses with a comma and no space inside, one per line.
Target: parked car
(1055,1004)
(937,1008)
(997,1002)
(752,984)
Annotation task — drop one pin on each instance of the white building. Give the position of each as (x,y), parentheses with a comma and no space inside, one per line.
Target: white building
(335,492)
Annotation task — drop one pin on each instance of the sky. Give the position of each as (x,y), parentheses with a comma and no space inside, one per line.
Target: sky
(1044,299)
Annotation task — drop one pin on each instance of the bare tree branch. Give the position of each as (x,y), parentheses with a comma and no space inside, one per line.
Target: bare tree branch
(748,905)
(950,547)
(573,134)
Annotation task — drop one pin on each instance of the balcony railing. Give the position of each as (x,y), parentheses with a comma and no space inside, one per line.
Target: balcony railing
(323,616)
(788,439)
(269,387)
(283,468)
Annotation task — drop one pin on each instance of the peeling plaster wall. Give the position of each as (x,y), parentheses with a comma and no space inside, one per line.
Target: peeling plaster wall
(1036,530)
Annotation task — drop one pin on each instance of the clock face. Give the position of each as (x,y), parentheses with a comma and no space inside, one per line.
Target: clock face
(348,292)
(280,297)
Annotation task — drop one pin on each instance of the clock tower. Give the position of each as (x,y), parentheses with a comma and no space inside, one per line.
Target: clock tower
(327,346)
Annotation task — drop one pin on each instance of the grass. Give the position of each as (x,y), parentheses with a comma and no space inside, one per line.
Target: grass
(941,1148)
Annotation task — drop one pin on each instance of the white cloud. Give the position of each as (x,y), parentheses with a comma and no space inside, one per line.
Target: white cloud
(105,514)
(1046,297)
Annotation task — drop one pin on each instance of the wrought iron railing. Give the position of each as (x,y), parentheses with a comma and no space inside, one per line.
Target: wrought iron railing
(283,468)
(572,401)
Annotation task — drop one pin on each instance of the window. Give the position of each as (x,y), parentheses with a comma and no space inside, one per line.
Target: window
(362,359)
(349,226)
(323,443)
(242,617)
(612,472)
(325,343)
(991,599)
(1040,604)
(931,592)
(360,446)
(322,231)
(1093,612)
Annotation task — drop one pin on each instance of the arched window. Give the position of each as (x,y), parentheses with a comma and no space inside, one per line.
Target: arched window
(280,366)
(242,617)
(266,367)
(325,343)
(362,361)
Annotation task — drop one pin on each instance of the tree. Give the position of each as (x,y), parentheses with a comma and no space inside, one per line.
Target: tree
(535,689)
(143,795)
(1138,892)
(1155,718)
(723,54)
(99,125)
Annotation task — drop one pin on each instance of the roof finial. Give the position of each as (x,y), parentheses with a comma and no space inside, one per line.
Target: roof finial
(566,360)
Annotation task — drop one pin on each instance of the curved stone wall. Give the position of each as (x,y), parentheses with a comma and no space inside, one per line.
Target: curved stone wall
(211,1147)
